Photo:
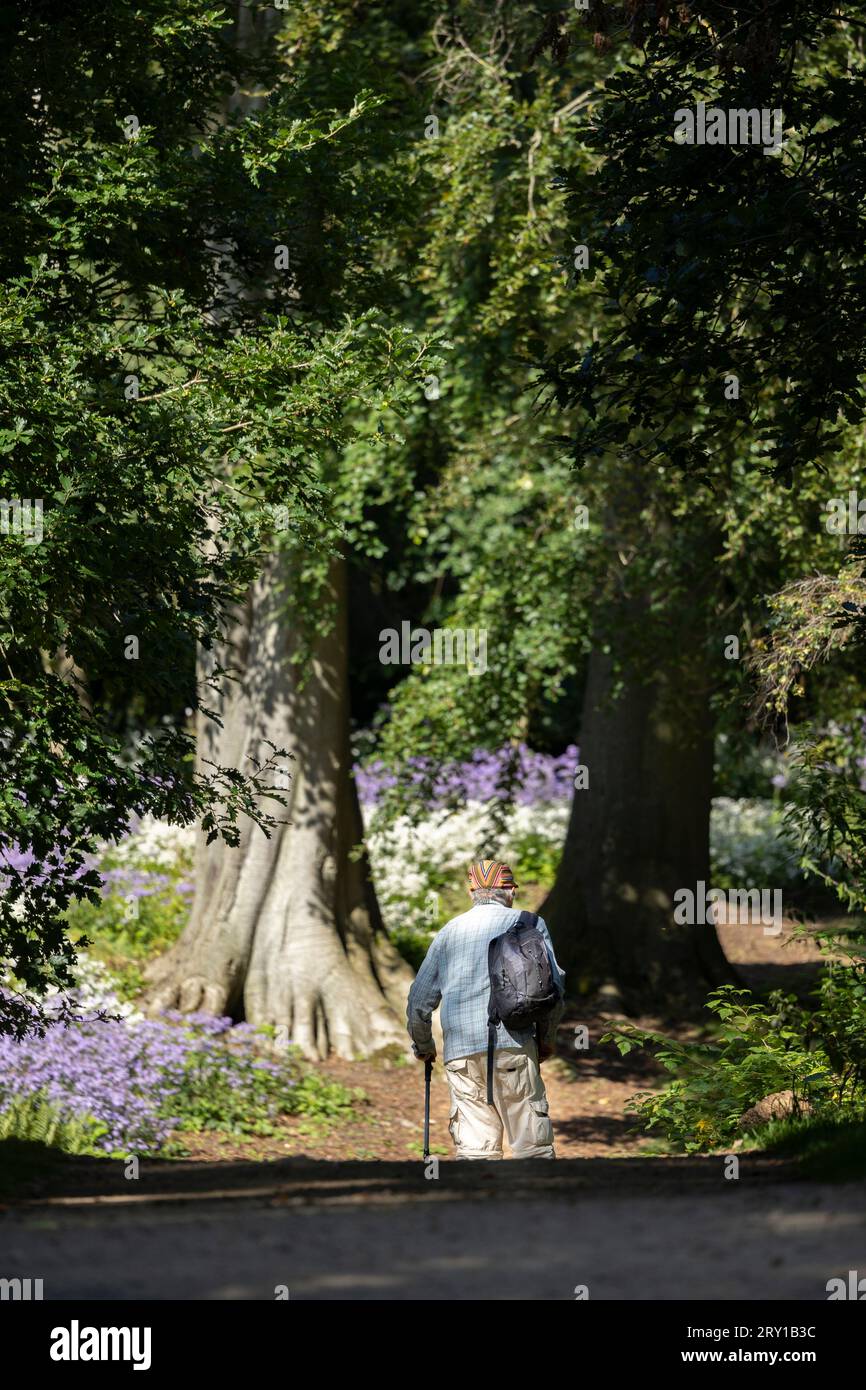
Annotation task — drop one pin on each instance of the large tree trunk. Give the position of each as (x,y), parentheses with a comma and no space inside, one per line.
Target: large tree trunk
(639,832)
(286,931)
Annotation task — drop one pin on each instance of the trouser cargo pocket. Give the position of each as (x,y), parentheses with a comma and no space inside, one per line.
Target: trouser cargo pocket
(541,1122)
(474,1126)
(513,1077)
(454,1125)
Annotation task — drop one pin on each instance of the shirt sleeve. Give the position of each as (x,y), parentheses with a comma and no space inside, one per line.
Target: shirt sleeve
(424,997)
(553,1019)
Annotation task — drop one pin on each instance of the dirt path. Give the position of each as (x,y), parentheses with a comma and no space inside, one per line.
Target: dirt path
(368,1234)
(588,1090)
(353,1213)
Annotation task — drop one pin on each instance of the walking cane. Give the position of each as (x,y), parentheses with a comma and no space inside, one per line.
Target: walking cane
(428,1071)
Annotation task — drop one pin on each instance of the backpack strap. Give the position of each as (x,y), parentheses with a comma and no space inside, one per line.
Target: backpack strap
(492,1024)
(531,920)
(491,1044)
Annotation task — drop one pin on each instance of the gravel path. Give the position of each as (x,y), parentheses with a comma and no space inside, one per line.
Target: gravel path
(471,1235)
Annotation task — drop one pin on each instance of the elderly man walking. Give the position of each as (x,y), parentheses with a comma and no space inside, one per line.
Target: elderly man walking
(455,972)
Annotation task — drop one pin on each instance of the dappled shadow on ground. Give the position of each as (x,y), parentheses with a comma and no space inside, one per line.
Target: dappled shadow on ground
(589,1084)
(86,1182)
(793,979)
(763,961)
(615,1131)
(375,1154)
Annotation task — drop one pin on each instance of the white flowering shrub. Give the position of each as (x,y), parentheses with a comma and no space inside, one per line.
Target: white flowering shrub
(97,989)
(155,844)
(419,869)
(749,846)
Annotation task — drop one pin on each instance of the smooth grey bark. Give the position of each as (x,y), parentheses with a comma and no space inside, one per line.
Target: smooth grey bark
(286,930)
(639,832)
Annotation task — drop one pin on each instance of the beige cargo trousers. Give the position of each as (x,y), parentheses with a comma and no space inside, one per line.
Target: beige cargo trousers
(519,1109)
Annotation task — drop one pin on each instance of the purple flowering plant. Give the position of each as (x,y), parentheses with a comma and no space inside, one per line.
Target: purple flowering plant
(508,773)
(136,1082)
(142,909)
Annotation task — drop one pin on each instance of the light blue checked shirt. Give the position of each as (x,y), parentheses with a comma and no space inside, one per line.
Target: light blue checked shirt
(454,971)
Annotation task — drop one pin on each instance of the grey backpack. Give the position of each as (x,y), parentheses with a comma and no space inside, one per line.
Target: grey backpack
(522,988)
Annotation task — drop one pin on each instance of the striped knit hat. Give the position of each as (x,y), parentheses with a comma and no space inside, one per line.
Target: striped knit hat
(486,874)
